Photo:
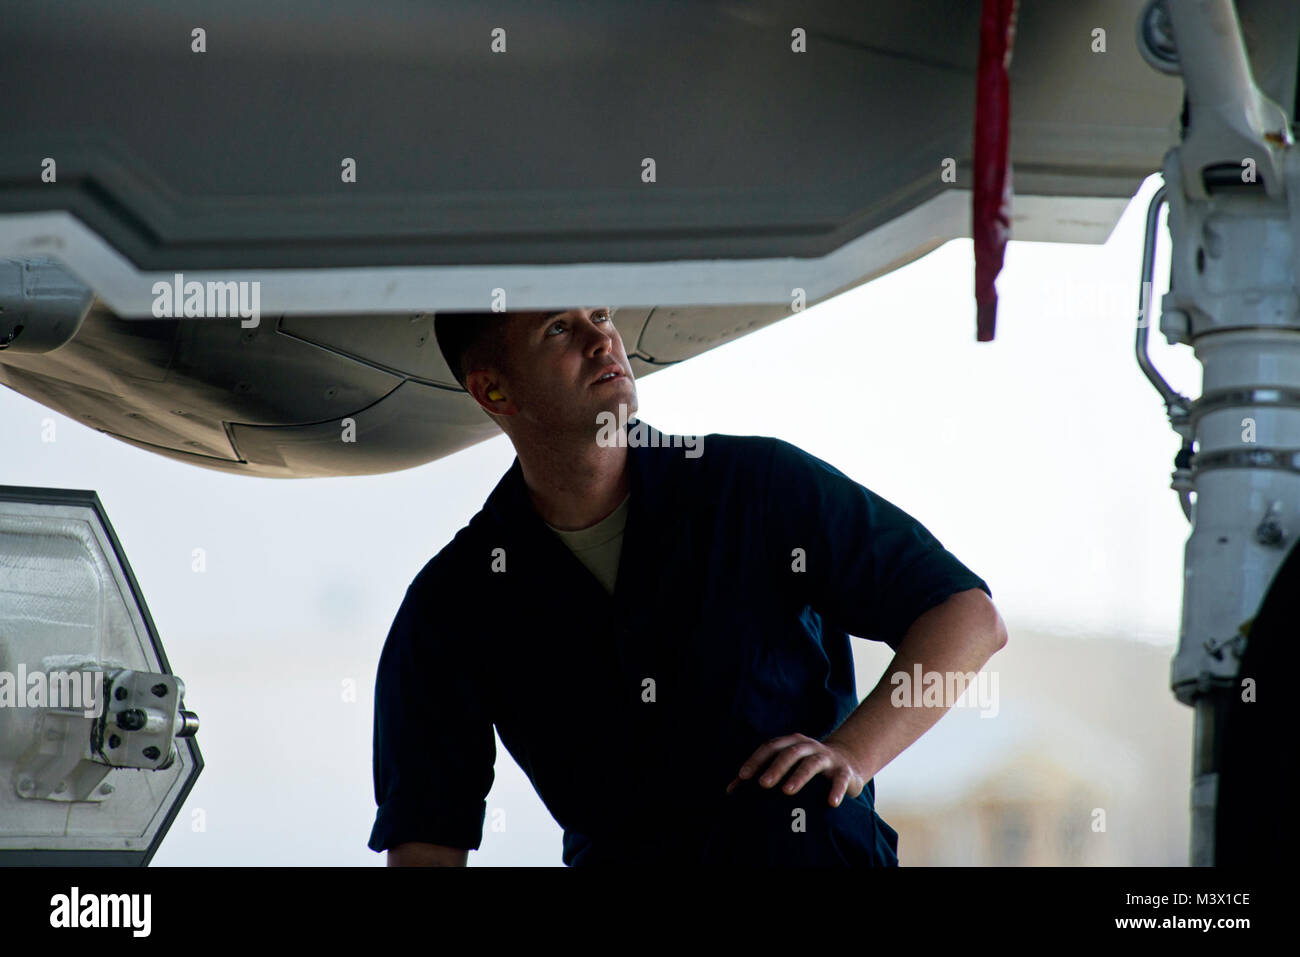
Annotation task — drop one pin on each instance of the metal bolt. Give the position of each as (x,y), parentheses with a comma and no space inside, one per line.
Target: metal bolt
(120,693)
(1269,533)
(1176,326)
(114,741)
(159,690)
(106,789)
(152,753)
(132,719)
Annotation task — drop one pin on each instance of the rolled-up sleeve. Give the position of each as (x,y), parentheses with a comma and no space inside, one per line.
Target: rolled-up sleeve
(868,566)
(434,746)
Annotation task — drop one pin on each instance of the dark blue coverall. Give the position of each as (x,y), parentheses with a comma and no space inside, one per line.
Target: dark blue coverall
(743,572)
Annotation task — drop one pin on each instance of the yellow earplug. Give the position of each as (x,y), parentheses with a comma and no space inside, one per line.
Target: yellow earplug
(495,396)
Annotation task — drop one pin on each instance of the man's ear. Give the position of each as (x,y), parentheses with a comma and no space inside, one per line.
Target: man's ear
(487,392)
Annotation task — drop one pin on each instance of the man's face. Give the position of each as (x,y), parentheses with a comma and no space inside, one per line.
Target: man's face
(559,370)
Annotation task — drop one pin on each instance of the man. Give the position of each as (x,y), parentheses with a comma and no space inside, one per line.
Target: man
(657,629)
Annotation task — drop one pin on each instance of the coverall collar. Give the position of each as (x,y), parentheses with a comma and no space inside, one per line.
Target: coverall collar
(511,505)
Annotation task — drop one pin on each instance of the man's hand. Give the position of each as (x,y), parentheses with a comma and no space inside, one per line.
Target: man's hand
(808,757)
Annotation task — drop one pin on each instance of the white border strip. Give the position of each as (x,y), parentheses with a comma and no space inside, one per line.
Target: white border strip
(128,292)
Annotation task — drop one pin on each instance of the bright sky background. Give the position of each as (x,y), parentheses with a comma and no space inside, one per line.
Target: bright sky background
(1041,460)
